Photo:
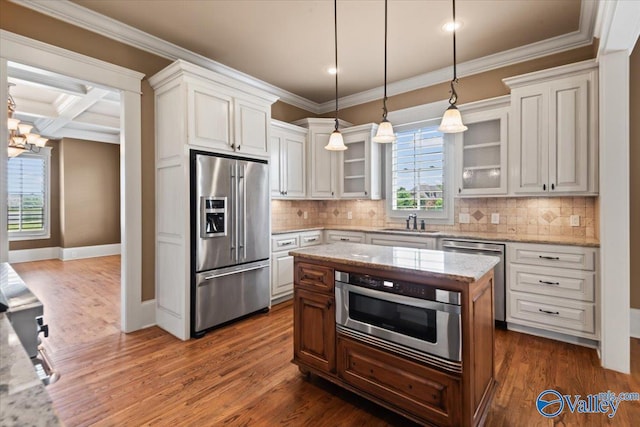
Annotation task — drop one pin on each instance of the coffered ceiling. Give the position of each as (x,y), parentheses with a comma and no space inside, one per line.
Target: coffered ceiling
(287,46)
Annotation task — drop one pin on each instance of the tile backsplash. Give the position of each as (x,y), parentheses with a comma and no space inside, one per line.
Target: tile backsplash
(518,215)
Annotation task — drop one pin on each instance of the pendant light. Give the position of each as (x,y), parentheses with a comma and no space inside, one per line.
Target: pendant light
(385,133)
(336,142)
(452,120)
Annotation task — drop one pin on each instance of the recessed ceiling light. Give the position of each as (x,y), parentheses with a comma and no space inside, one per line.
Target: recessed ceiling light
(450,26)
(332,70)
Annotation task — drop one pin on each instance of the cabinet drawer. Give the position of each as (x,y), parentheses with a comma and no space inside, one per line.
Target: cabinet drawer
(284,242)
(344,236)
(401,241)
(555,313)
(310,238)
(553,256)
(559,282)
(314,277)
(422,391)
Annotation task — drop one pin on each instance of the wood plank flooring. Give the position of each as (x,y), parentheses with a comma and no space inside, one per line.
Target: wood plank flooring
(241,374)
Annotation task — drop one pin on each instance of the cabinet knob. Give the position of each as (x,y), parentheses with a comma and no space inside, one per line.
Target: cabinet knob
(238,147)
(553,186)
(328,304)
(459,190)
(233,146)
(365,193)
(332,193)
(544,187)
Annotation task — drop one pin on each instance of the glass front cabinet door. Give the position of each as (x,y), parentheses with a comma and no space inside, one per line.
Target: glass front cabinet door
(481,161)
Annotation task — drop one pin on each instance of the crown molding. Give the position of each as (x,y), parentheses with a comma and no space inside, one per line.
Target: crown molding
(77,15)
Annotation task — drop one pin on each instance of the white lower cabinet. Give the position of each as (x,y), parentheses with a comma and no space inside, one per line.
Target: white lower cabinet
(384,239)
(553,288)
(282,262)
(332,236)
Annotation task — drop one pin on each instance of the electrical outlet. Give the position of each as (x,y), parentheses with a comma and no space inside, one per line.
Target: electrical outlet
(349,215)
(464,218)
(305,215)
(575,220)
(495,218)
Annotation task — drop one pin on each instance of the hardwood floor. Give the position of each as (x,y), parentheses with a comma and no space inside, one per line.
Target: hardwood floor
(241,374)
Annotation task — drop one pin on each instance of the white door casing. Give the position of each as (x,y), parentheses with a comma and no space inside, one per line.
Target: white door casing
(19,49)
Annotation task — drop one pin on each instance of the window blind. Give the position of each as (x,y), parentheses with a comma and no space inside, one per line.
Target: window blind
(26,179)
(417,172)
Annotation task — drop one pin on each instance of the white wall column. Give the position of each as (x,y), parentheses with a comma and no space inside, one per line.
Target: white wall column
(4,136)
(614,210)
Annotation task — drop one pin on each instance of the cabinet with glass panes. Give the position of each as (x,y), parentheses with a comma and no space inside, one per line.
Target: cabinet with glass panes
(482,154)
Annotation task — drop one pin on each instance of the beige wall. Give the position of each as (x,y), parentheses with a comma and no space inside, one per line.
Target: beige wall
(634,180)
(54,200)
(89,193)
(472,88)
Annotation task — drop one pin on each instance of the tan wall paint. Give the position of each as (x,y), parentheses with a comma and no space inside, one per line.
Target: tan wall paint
(54,200)
(471,88)
(288,113)
(634,178)
(58,33)
(90,193)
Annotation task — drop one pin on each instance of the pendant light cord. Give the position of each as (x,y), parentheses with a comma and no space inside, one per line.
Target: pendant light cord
(454,96)
(384,100)
(335,21)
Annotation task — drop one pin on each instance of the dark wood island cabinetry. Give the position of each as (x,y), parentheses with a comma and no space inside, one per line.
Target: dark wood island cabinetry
(423,388)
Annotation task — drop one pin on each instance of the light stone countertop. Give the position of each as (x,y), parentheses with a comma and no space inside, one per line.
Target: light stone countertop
(447,265)
(472,235)
(24,401)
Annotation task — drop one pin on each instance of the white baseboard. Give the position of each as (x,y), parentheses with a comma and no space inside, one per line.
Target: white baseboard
(67,254)
(64,254)
(147,314)
(39,254)
(635,322)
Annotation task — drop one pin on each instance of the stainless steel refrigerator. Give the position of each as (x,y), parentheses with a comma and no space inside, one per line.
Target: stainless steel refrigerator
(230,219)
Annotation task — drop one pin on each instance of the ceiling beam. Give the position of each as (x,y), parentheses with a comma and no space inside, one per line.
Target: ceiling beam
(70,107)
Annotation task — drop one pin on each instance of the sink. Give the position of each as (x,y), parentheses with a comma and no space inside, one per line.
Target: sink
(411,230)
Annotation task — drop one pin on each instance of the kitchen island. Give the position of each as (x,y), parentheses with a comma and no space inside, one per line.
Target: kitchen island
(432,357)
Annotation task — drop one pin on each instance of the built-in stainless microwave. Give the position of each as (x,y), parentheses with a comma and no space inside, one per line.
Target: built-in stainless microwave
(407,315)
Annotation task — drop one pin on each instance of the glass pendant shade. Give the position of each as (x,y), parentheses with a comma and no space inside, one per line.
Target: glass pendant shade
(452,121)
(12,123)
(14,151)
(385,133)
(336,142)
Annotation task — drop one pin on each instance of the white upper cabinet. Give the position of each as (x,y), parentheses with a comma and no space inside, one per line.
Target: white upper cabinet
(481,160)
(287,165)
(351,174)
(359,167)
(252,123)
(210,125)
(553,139)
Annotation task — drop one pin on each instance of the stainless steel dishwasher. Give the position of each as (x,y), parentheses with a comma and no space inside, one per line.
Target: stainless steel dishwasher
(485,248)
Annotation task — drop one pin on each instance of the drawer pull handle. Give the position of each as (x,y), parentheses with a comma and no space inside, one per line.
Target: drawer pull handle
(548,312)
(554,258)
(344,239)
(546,282)
(287,243)
(310,239)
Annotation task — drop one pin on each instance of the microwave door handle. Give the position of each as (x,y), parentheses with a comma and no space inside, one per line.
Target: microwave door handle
(401,299)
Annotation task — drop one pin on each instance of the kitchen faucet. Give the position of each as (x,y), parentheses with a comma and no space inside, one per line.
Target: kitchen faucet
(415,221)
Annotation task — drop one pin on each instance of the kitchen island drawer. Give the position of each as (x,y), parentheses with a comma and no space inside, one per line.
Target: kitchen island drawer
(410,386)
(560,315)
(332,236)
(558,282)
(314,277)
(575,257)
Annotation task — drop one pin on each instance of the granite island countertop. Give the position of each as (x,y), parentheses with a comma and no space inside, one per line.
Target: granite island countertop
(437,264)
(470,235)
(24,400)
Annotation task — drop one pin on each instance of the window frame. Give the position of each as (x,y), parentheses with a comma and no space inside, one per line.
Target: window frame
(15,236)
(412,118)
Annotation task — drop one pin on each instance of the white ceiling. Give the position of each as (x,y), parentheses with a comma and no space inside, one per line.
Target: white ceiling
(288,44)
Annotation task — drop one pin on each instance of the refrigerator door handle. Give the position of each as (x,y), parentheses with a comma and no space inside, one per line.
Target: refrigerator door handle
(229,273)
(242,237)
(234,221)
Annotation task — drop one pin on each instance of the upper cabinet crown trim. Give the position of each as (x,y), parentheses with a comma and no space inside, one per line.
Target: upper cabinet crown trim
(182,68)
(550,73)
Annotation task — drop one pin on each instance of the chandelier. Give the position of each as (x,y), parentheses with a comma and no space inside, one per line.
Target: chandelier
(21,139)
